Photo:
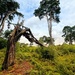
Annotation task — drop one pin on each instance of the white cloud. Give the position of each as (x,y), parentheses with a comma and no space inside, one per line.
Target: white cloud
(39,28)
(24,40)
(27,7)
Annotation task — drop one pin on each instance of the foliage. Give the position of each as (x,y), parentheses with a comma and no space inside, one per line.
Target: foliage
(46,53)
(6,33)
(66,49)
(3,42)
(50,8)
(8,5)
(45,39)
(8,10)
(52,60)
(2,53)
(69,34)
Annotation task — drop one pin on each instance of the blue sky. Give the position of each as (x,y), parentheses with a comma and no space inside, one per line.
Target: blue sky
(40,27)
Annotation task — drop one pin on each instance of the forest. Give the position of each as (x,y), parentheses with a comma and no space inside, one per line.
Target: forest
(41,56)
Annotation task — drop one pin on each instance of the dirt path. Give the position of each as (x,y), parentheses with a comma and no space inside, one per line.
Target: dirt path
(19,69)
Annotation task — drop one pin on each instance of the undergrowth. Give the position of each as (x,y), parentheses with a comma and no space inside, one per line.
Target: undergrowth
(52,60)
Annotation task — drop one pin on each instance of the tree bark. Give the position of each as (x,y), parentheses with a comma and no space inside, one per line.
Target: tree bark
(50,32)
(13,38)
(70,41)
(10,52)
(49,21)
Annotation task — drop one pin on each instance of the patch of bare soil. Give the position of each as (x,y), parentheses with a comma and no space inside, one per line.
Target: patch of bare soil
(19,69)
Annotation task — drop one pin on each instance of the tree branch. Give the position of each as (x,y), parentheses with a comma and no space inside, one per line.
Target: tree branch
(30,37)
(3,21)
(19,34)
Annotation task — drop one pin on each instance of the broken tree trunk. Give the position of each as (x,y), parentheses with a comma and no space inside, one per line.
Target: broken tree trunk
(13,38)
(10,52)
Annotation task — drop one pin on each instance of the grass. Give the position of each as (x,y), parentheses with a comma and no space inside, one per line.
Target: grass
(52,60)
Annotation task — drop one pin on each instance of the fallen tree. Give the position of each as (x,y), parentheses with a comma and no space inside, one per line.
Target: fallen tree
(17,32)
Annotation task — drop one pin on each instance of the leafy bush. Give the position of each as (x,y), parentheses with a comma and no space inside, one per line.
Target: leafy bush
(72,48)
(46,53)
(66,49)
(64,69)
(36,72)
(52,60)
(3,42)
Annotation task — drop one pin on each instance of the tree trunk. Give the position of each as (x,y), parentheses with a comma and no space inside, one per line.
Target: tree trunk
(70,41)
(49,21)
(13,38)
(10,52)
(50,32)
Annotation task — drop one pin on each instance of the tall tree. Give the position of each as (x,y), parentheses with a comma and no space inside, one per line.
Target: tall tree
(8,10)
(50,9)
(69,34)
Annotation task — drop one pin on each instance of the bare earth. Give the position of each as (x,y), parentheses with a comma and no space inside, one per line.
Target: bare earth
(18,69)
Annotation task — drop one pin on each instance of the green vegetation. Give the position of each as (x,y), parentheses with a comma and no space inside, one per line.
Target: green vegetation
(52,60)
(6,33)
(45,40)
(3,42)
(8,12)
(69,34)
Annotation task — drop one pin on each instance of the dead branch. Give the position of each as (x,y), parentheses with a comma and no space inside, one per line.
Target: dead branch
(28,34)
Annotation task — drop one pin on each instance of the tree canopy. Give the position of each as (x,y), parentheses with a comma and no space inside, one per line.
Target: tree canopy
(8,10)
(48,8)
(69,34)
(45,40)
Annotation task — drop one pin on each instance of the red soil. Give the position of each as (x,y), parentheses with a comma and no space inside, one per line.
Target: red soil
(19,69)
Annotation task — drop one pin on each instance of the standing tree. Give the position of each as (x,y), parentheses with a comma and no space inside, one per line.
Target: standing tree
(69,34)
(8,10)
(50,9)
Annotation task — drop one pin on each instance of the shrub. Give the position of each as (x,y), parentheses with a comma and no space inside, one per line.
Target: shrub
(3,42)
(66,49)
(72,48)
(64,69)
(46,53)
(36,72)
